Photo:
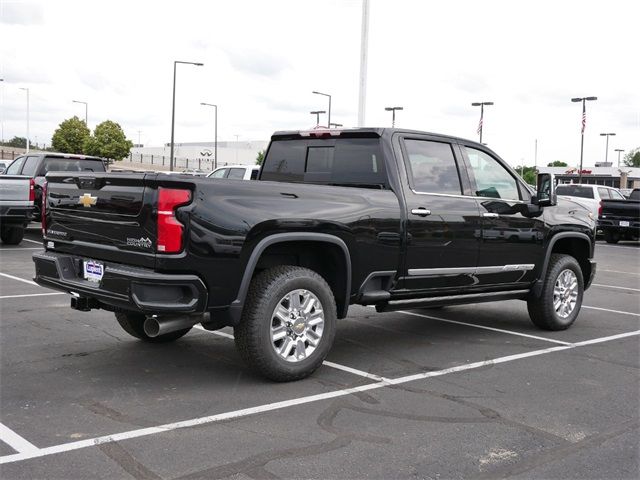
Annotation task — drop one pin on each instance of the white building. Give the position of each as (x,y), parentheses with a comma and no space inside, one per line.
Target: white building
(617,177)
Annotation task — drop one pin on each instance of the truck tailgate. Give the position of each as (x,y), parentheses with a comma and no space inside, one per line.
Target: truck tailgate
(102,216)
(14,189)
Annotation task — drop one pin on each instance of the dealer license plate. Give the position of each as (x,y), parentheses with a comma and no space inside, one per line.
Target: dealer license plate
(624,223)
(93,271)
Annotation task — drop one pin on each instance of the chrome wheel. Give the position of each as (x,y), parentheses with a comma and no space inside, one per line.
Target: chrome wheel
(297,324)
(565,293)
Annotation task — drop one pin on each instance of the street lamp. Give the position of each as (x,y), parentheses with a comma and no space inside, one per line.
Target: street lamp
(173,107)
(393,114)
(215,148)
(236,135)
(606,152)
(335,125)
(2,116)
(86,111)
(317,114)
(329,114)
(619,150)
(480,124)
(584,124)
(27,90)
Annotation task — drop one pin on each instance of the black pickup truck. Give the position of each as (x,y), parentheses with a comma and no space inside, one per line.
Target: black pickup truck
(386,217)
(620,219)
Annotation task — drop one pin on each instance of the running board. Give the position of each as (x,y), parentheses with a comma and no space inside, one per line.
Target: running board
(451,300)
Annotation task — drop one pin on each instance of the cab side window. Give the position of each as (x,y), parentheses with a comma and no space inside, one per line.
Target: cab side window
(30,166)
(15,167)
(603,192)
(492,179)
(220,173)
(432,167)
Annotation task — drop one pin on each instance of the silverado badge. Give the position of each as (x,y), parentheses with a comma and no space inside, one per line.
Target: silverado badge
(87,200)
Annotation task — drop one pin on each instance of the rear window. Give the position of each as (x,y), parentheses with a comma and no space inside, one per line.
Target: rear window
(355,162)
(236,173)
(53,164)
(574,191)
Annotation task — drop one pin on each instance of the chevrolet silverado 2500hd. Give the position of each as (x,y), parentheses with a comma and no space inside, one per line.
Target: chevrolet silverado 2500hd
(393,218)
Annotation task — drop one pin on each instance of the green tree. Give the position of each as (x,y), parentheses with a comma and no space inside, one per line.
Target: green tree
(108,141)
(632,159)
(70,136)
(17,142)
(557,163)
(260,157)
(528,174)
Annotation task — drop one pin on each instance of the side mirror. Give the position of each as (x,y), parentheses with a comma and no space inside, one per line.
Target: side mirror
(546,186)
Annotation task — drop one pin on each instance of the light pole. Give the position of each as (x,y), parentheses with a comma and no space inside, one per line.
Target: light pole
(335,125)
(393,114)
(27,90)
(86,112)
(606,152)
(619,150)
(215,142)
(2,116)
(328,114)
(317,114)
(236,148)
(173,107)
(139,144)
(481,105)
(364,54)
(584,124)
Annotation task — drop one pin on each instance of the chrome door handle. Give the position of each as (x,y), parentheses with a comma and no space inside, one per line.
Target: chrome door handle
(490,215)
(421,212)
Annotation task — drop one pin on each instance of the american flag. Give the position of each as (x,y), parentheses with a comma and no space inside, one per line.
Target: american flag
(479,126)
(584,117)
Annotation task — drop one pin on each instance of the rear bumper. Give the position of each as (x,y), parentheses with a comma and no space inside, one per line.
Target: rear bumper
(15,214)
(614,225)
(123,287)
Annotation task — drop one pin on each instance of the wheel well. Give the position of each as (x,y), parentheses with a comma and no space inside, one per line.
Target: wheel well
(326,259)
(578,249)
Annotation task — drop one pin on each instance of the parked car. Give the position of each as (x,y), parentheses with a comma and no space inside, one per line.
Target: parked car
(17,195)
(620,219)
(589,195)
(385,217)
(626,192)
(236,172)
(37,165)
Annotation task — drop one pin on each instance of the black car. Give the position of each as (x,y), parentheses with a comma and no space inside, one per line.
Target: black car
(392,218)
(37,165)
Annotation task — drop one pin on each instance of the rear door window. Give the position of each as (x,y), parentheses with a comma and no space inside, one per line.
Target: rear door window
(432,167)
(604,193)
(16,166)
(236,173)
(616,195)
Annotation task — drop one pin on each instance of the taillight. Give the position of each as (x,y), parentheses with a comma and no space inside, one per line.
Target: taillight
(600,208)
(43,207)
(170,230)
(32,190)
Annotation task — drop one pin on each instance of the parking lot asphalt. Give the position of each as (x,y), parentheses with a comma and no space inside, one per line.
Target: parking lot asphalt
(468,391)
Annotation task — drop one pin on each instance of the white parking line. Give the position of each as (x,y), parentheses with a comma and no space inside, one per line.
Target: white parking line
(615,286)
(31,241)
(67,447)
(31,295)
(337,366)
(500,330)
(15,441)
(612,311)
(19,248)
(618,271)
(19,279)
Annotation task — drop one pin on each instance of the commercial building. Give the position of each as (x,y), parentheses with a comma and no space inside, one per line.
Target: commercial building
(617,177)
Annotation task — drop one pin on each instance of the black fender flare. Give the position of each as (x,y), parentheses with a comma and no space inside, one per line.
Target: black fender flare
(537,288)
(235,309)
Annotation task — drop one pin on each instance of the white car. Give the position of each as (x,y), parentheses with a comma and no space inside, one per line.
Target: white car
(236,172)
(588,195)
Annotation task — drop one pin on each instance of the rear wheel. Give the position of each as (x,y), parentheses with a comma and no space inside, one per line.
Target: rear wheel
(611,236)
(288,323)
(133,324)
(11,235)
(559,304)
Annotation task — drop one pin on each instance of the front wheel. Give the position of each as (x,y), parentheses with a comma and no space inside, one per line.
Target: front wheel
(288,323)
(559,304)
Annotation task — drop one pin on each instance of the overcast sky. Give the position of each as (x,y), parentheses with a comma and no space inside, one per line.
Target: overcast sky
(263,58)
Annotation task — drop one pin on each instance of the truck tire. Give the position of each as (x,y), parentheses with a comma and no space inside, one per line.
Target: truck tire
(288,323)
(559,304)
(611,236)
(133,324)
(11,235)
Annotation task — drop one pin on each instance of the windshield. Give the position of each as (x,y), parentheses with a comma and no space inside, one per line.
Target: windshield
(575,191)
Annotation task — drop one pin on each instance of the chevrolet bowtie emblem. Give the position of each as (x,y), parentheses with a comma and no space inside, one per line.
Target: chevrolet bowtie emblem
(87,200)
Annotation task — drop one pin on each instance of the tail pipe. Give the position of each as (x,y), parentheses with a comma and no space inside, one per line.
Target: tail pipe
(160,325)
